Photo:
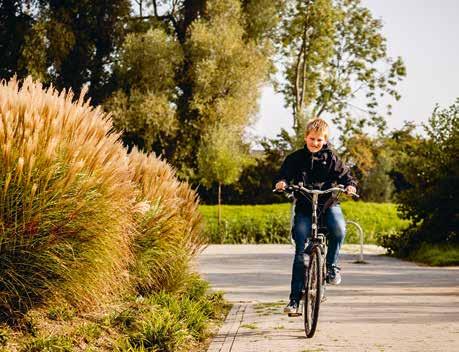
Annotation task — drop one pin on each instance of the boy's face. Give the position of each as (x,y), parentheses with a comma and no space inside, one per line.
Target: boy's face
(315,141)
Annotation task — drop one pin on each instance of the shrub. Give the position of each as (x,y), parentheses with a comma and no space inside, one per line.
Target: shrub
(437,254)
(429,171)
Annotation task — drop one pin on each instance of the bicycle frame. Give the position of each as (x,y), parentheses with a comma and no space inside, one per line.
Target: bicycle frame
(314,287)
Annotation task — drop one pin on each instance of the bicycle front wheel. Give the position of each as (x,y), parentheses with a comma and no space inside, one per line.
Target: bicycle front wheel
(313,292)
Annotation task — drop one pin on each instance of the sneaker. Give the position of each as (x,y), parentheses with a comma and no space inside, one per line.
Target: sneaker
(291,307)
(333,275)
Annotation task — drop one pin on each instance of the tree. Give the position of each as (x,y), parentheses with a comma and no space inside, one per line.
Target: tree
(144,106)
(73,43)
(15,23)
(334,52)
(217,80)
(221,158)
(217,48)
(306,43)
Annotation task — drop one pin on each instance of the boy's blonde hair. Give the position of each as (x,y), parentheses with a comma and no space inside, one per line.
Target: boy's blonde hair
(317,125)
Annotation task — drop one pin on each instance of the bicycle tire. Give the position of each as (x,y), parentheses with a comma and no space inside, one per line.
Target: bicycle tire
(313,292)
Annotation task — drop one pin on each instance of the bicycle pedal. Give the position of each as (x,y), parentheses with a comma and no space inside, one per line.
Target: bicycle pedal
(295,314)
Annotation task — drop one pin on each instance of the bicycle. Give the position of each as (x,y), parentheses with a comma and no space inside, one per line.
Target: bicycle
(316,273)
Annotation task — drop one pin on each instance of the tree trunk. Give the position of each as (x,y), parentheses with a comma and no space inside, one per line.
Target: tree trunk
(219,203)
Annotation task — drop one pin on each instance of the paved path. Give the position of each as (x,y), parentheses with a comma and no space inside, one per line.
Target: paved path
(385,305)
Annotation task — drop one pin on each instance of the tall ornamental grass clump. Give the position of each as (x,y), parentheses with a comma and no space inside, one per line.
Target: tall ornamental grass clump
(169,232)
(66,200)
(80,219)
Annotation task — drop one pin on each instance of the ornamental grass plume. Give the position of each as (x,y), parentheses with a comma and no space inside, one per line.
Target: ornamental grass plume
(170,232)
(66,200)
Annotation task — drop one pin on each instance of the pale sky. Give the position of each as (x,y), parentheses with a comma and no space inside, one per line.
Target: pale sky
(426,35)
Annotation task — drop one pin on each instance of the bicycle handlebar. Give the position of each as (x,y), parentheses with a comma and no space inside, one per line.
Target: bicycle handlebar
(300,188)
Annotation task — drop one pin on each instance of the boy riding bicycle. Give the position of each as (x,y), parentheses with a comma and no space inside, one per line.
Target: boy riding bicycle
(317,165)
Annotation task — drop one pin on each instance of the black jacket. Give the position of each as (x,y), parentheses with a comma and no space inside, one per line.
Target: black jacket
(322,169)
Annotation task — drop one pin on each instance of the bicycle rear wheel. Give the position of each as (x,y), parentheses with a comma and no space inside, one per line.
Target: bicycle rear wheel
(313,292)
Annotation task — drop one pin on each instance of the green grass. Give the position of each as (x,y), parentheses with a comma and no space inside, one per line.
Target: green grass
(271,223)
(89,331)
(49,343)
(436,255)
(60,312)
(251,326)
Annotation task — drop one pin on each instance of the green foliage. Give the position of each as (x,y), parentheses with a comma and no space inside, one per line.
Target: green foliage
(225,73)
(377,185)
(143,107)
(372,160)
(248,224)
(271,223)
(225,69)
(257,176)
(436,255)
(148,61)
(429,172)
(167,76)
(221,158)
(159,329)
(261,18)
(162,321)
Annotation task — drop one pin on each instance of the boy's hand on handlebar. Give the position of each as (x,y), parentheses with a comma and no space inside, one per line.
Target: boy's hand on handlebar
(350,190)
(280,186)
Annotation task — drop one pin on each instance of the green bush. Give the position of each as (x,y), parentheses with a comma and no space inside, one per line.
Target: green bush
(436,255)
(271,223)
(428,169)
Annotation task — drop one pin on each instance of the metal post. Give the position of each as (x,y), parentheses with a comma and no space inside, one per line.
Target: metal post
(360,230)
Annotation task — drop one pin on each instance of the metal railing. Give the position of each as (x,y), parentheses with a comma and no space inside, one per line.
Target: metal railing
(360,231)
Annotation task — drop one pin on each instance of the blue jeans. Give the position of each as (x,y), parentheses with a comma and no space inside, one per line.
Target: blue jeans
(301,231)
